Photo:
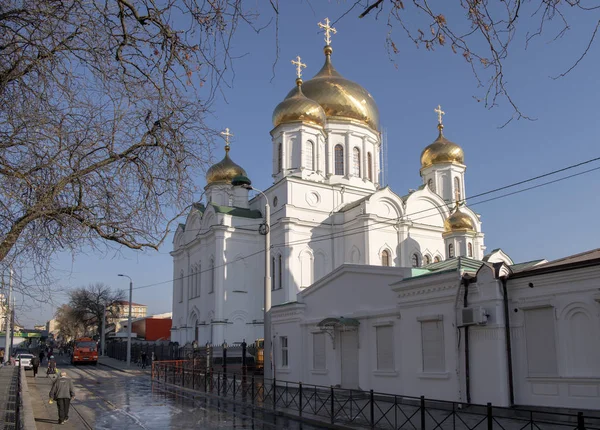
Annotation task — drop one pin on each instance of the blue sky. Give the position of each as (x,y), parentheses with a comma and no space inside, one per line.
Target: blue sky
(548,222)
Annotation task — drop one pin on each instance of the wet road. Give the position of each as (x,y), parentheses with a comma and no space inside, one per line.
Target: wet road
(109,399)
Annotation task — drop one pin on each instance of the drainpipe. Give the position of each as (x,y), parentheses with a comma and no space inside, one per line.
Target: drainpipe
(466,282)
(511,388)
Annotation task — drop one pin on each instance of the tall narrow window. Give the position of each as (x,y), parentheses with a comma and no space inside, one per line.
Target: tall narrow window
(190,284)
(415,260)
(437,259)
(212,276)
(319,357)
(385,258)
(309,160)
(432,341)
(450,250)
(273,280)
(280,267)
(457,193)
(356,162)
(284,351)
(279,157)
(470,250)
(370,166)
(385,347)
(431,185)
(426,260)
(339,159)
(540,342)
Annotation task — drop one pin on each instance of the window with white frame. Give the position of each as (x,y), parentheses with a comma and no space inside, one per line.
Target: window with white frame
(212,276)
(385,347)
(437,259)
(284,351)
(273,279)
(309,151)
(432,345)
(356,162)
(426,259)
(470,250)
(279,157)
(280,272)
(457,193)
(415,260)
(541,342)
(385,258)
(450,250)
(338,153)
(370,166)
(319,356)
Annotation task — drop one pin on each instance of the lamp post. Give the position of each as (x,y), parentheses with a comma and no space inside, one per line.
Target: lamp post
(7,326)
(264,229)
(103,333)
(129,320)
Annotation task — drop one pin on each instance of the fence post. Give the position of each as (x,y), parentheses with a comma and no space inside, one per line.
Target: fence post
(332,406)
(422,412)
(580,421)
(300,398)
(165,372)
(218,384)
(183,375)
(252,389)
(224,357)
(372,408)
(234,386)
(244,357)
(274,393)
(490,417)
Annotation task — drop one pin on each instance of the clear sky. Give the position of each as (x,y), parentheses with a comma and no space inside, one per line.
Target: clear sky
(548,222)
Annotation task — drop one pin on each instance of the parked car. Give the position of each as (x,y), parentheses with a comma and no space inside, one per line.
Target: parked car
(24,360)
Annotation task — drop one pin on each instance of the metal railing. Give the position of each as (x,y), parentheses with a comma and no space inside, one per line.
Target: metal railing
(368,409)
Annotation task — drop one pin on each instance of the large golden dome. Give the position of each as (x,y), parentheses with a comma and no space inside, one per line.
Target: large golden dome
(458,221)
(340,98)
(297,107)
(442,151)
(224,171)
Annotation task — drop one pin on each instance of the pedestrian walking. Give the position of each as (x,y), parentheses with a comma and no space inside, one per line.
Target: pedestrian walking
(1,356)
(42,355)
(51,367)
(144,358)
(62,393)
(35,363)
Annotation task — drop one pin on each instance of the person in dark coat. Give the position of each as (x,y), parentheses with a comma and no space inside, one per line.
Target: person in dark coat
(62,392)
(144,359)
(42,355)
(35,363)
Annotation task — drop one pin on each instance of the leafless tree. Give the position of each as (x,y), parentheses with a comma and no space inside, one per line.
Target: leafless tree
(102,118)
(69,327)
(482,32)
(88,305)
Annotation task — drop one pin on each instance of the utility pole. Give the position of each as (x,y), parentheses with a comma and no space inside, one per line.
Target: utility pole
(8,337)
(103,332)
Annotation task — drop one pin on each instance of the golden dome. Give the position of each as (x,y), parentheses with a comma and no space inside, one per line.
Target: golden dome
(224,171)
(297,107)
(458,221)
(442,151)
(340,98)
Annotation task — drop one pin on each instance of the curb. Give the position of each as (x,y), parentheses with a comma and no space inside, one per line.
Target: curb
(28,418)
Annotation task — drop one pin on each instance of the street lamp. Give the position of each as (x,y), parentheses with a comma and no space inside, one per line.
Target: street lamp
(264,229)
(129,320)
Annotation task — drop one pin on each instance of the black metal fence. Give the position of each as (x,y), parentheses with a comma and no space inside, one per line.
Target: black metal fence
(367,409)
(10,397)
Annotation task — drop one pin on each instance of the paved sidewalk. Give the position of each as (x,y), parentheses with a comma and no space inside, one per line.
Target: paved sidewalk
(122,366)
(45,414)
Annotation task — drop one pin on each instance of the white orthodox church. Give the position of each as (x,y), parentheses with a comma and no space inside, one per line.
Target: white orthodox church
(368,286)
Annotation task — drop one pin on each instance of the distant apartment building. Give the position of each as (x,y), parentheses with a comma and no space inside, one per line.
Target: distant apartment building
(52,327)
(121,311)
(39,327)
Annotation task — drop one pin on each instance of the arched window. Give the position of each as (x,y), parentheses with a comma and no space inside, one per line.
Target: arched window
(385,258)
(426,260)
(309,160)
(437,259)
(190,283)
(415,260)
(339,160)
(212,276)
(450,250)
(457,193)
(431,185)
(370,166)
(273,280)
(280,267)
(356,162)
(279,157)
(470,250)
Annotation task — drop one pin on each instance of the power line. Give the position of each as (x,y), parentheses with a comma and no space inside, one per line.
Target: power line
(391,221)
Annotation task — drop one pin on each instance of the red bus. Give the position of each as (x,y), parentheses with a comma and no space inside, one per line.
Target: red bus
(85,350)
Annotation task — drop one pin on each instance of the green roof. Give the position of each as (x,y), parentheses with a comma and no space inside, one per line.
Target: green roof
(449,265)
(525,265)
(235,211)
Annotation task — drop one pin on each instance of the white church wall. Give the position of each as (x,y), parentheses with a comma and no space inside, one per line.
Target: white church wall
(555,338)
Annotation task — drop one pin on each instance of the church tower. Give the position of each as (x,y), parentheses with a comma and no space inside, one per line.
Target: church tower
(460,235)
(443,166)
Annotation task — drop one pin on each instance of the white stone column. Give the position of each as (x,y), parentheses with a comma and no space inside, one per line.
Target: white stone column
(348,161)
(364,160)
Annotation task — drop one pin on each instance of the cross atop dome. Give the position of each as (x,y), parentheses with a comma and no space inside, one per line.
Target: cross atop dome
(439,112)
(226,135)
(299,66)
(328,30)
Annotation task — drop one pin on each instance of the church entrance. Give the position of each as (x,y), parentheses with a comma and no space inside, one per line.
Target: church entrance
(349,358)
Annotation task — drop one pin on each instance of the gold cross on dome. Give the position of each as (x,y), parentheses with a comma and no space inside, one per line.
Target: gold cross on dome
(440,112)
(299,66)
(227,135)
(328,30)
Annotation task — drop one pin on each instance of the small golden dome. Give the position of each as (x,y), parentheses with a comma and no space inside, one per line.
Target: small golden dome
(224,171)
(458,221)
(297,107)
(442,151)
(340,98)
